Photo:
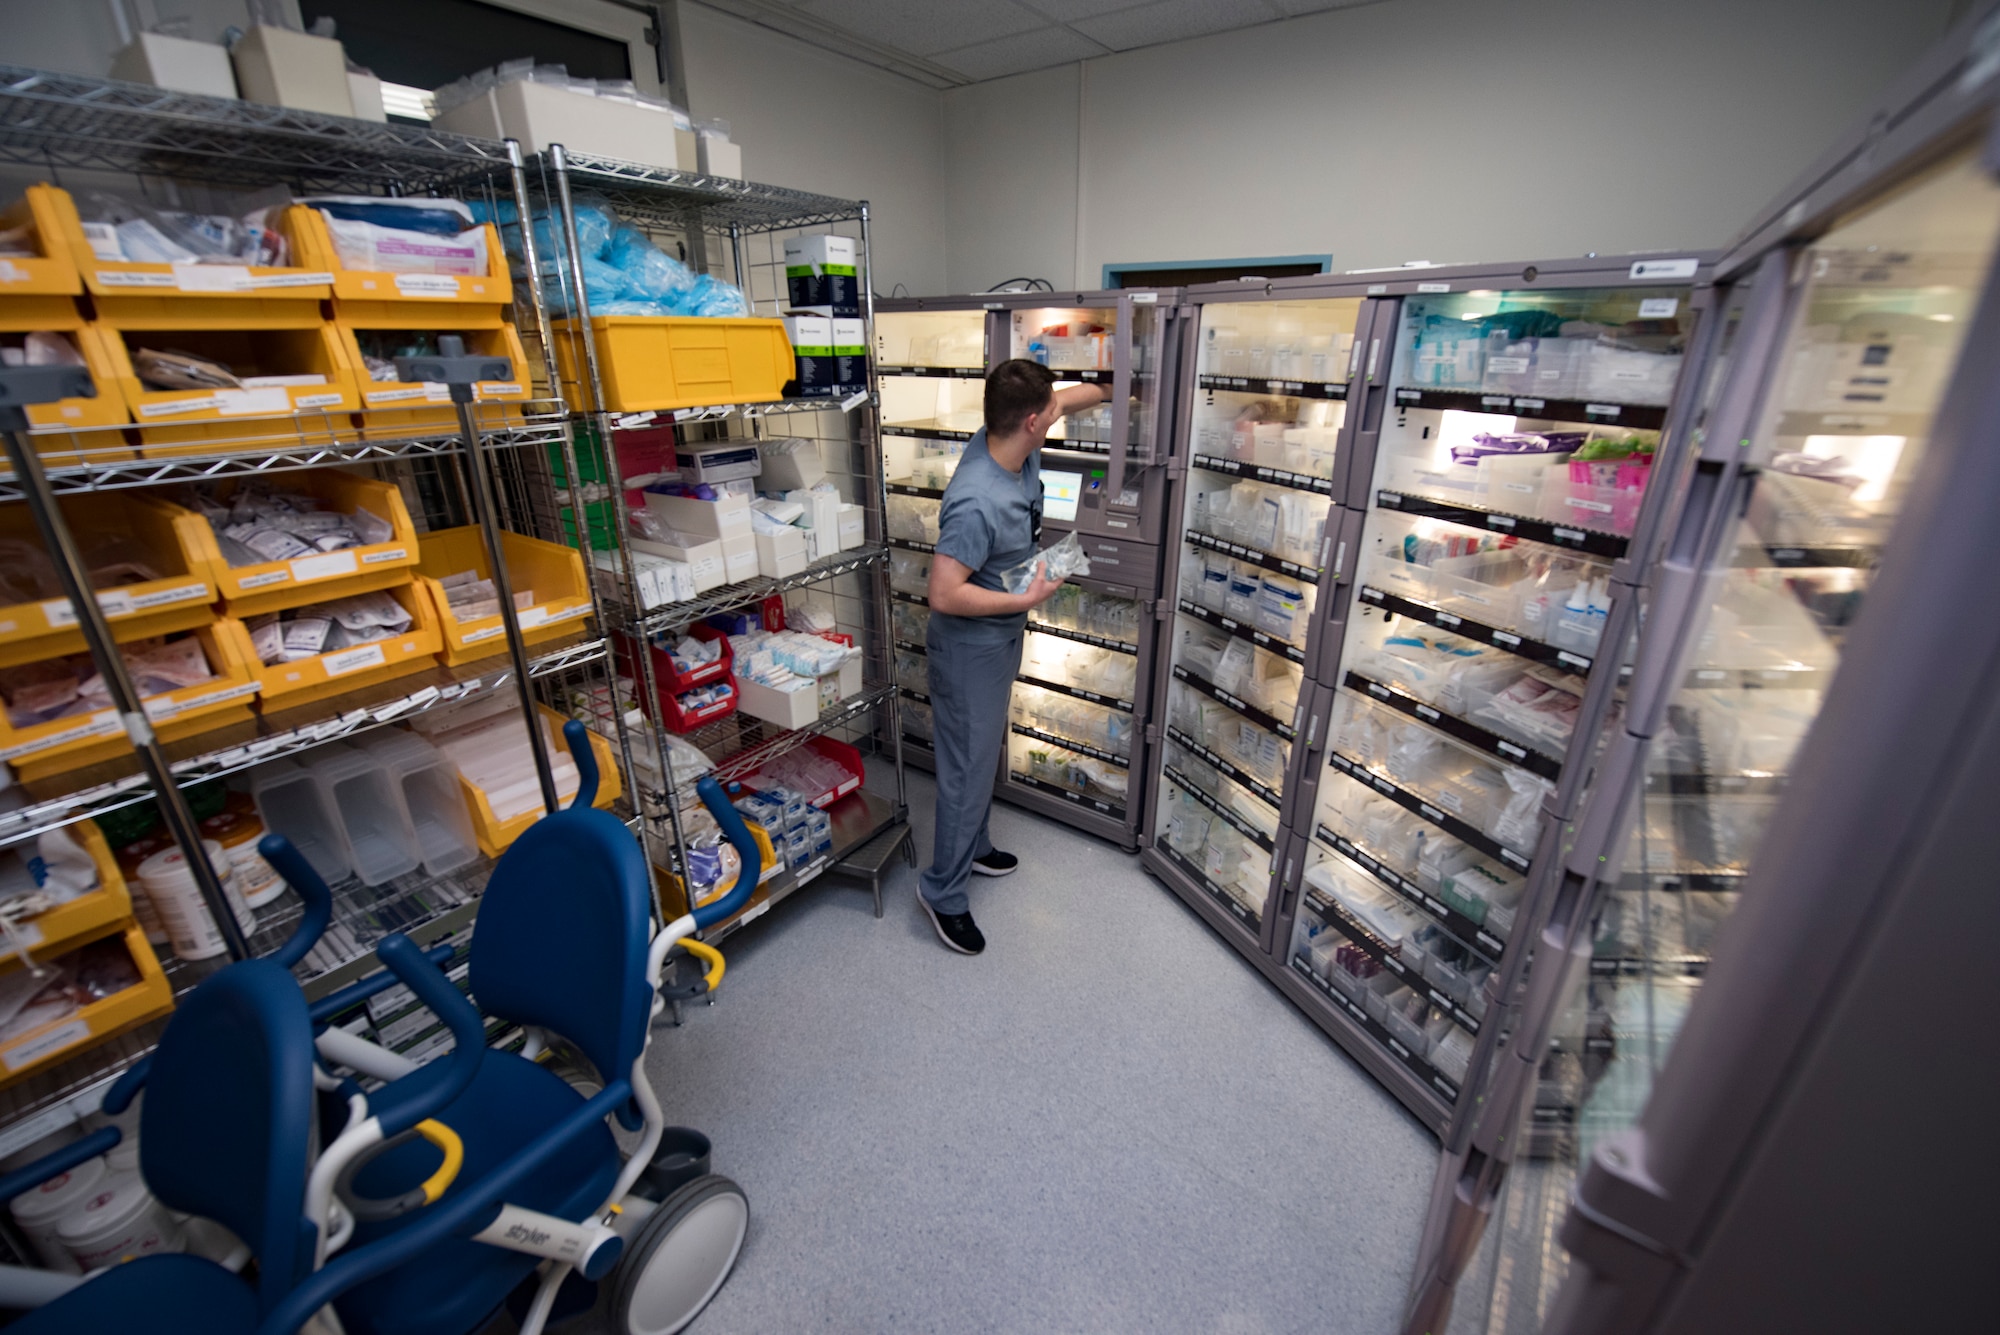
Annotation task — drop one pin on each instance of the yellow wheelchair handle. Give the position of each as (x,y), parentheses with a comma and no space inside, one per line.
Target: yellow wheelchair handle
(369,1209)
(703,951)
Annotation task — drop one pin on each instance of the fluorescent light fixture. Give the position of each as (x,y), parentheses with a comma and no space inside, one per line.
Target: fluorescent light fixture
(400,99)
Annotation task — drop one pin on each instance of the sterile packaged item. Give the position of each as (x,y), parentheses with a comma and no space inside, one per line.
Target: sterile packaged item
(1281,603)
(370,246)
(1060,562)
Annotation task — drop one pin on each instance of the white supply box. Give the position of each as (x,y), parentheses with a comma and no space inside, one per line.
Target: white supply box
(822,275)
(739,559)
(781,554)
(728,517)
(726,462)
(788,709)
(282,68)
(853,527)
(177,64)
(703,560)
(540,114)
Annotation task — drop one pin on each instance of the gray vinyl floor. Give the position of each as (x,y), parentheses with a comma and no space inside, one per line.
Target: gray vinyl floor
(1106,1123)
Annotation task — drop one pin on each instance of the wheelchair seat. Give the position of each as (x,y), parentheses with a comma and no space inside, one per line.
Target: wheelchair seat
(511,1103)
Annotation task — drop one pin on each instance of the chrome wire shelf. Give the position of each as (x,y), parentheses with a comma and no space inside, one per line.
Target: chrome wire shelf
(748,412)
(755,745)
(68,120)
(103,468)
(283,733)
(752,591)
(662,197)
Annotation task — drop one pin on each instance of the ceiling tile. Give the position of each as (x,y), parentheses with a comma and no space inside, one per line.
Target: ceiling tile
(1171,20)
(925,27)
(1068,11)
(1024,51)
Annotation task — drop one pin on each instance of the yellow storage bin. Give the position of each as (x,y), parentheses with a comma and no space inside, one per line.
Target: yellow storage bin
(655,362)
(117,282)
(270,586)
(383,417)
(552,573)
(670,882)
(151,997)
(50,424)
(180,421)
(312,246)
(172,541)
(52,270)
(323,676)
(495,834)
(64,744)
(63,928)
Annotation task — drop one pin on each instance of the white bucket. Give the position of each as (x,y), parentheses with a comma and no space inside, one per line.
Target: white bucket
(170,885)
(40,1209)
(118,1222)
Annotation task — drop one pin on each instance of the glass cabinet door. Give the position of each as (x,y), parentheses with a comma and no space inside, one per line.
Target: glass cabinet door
(1269,405)
(1878,311)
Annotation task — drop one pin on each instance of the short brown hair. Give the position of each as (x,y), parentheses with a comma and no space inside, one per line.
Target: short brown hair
(1015,389)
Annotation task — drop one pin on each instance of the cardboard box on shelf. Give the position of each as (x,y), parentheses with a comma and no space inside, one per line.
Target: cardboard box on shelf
(540,114)
(177,64)
(719,155)
(850,354)
(704,559)
(792,708)
(781,554)
(280,67)
(727,461)
(727,517)
(739,559)
(813,363)
(791,465)
(822,275)
(853,527)
(365,91)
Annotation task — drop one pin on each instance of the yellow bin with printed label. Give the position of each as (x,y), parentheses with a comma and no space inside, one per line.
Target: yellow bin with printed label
(550,574)
(95,1022)
(323,676)
(651,363)
(268,586)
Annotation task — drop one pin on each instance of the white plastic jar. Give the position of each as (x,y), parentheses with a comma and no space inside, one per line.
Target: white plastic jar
(40,1210)
(119,1221)
(191,930)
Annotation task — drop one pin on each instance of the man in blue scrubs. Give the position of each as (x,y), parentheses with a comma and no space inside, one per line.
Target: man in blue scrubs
(990,522)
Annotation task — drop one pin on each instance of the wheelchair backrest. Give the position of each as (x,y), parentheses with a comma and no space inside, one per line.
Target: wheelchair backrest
(227,1123)
(562,934)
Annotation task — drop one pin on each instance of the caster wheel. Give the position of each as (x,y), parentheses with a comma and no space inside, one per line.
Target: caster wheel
(680,1257)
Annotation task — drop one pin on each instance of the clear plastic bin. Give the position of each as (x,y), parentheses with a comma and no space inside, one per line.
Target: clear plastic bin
(1479,586)
(431,796)
(292,803)
(365,798)
(1622,375)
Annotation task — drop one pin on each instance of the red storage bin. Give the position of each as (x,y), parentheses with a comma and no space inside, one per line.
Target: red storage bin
(673,684)
(840,753)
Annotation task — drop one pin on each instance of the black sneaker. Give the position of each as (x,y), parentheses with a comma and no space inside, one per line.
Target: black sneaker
(956,930)
(995,863)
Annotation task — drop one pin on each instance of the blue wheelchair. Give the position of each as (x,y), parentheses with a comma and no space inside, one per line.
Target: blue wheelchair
(441,1192)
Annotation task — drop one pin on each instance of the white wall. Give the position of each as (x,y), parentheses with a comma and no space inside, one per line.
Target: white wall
(813,120)
(1419,129)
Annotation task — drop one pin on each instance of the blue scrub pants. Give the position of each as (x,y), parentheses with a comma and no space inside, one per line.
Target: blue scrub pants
(971,675)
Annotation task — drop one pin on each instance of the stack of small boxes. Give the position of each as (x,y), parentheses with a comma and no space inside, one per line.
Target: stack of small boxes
(829,341)
(799,830)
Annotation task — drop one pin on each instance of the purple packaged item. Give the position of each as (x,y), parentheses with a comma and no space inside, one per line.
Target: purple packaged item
(1519,442)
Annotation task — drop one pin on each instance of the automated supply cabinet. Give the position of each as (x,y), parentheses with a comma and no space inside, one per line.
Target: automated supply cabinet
(1411,510)
(1077,748)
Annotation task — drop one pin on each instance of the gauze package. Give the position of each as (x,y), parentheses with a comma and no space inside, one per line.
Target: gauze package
(1059,563)
(369,246)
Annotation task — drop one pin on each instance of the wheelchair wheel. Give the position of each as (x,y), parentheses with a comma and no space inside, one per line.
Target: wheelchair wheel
(680,1257)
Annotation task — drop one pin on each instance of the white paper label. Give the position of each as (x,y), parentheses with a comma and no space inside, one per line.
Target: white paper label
(427,284)
(179,593)
(9,273)
(200,405)
(316,401)
(534,616)
(307,278)
(259,581)
(353,660)
(243,402)
(217,696)
(1659,308)
(324,566)
(1665,268)
(101,724)
(115,278)
(58,612)
(1433,287)
(1507,365)
(27,1053)
(493,389)
(211,277)
(386,554)
(394,395)
(483,633)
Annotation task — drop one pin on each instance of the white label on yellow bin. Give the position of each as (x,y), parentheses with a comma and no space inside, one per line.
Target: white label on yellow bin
(388,554)
(306,279)
(179,593)
(534,616)
(316,401)
(100,724)
(179,406)
(437,392)
(353,660)
(580,610)
(494,389)
(26,937)
(58,612)
(212,277)
(29,1051)
(427,284)
(394,395)
(483,633)
(109,278)
(266,399)
(324,566)
(234,691)
(259,581)
(11,274)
